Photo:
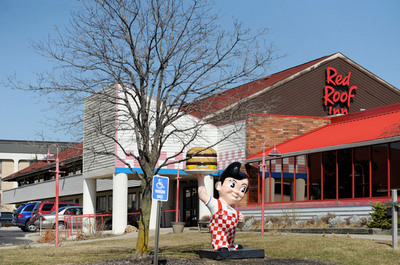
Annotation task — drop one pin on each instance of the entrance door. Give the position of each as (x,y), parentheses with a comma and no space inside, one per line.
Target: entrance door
(190,206)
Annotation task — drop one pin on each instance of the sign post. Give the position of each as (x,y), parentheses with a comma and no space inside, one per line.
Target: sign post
(160,193)
(394,219)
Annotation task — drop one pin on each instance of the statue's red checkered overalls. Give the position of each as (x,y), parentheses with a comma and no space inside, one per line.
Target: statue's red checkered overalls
(223,227)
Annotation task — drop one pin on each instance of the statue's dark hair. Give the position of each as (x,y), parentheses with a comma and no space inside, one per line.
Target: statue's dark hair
(233,171)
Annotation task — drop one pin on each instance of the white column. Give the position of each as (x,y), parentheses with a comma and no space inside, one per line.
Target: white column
(89,205)
(120,203)
(16,162)
(89,196)
(209,184)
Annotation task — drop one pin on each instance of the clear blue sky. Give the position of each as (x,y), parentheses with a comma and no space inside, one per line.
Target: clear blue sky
(368,32)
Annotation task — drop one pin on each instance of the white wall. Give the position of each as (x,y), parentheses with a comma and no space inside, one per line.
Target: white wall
(71,185)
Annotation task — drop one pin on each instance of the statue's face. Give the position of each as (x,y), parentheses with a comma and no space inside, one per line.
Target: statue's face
(232,190)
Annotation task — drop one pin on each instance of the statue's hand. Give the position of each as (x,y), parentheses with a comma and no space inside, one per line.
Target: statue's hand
(200,176)
(241,220)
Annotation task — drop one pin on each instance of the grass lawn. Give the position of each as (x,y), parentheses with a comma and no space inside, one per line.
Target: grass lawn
(328,248)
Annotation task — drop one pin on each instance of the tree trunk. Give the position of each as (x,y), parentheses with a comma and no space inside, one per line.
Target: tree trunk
(144,223)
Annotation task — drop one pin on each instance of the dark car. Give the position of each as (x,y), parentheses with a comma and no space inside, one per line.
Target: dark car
(5,218)
(48,207)
(22,217)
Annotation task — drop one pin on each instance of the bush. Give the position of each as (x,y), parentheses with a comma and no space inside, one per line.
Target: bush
(380,218)
(290,220)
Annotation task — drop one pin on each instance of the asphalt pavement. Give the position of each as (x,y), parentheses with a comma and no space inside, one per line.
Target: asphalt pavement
(10,236)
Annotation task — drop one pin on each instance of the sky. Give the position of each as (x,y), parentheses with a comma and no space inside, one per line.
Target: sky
(365,31)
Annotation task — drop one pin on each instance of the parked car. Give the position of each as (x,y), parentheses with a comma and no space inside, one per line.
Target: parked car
(46,221)
(48,207)
(5,218)
(22,217)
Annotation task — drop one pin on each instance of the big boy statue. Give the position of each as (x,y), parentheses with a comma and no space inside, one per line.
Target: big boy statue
(232,186)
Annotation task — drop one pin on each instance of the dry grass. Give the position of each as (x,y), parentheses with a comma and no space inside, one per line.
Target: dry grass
(329,248)
(47,237)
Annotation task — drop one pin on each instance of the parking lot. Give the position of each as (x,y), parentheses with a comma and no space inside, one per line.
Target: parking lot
(14,236)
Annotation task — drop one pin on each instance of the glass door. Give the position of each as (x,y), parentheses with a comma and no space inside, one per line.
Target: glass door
(190,206)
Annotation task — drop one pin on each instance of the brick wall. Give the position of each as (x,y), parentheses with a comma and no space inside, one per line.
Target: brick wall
(278,128)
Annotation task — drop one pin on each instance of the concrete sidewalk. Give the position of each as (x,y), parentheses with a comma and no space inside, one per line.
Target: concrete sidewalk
(33,238)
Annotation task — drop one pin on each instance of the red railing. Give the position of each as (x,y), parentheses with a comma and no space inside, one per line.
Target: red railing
(94,223)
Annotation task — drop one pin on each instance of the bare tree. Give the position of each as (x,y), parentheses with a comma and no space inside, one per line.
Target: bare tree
(169,59)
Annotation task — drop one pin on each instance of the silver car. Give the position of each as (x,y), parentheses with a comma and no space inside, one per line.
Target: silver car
(46,221)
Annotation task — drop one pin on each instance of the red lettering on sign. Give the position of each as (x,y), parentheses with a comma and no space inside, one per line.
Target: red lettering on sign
(329,76)
(328,92)
(351,95)
(337,95)
(333,78)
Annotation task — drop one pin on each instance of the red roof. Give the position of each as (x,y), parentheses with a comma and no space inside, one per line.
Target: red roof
(222,100)
(63,155)
(363,126)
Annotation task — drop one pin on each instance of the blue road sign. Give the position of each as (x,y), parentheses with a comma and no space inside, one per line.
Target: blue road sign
(160,188)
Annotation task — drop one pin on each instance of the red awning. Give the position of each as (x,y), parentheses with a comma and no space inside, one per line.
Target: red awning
(361,128)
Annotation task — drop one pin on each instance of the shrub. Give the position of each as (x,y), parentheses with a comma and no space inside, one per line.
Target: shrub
(336,221)
(379,216)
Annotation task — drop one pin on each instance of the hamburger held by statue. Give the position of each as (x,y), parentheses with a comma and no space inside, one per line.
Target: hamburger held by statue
(201,160)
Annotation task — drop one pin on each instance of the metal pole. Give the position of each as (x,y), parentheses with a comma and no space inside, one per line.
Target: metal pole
(157,232)
(263,195)
(57,171)
(394,219)
(57,195)
(177,197)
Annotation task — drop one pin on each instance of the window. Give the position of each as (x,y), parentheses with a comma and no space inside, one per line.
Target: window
(29,207)
(345,181)
(395,165)
(132,201)
(110,203)
(47,206)
(102,204)
(315,176)
(379,170)
(361,172)
(329,180)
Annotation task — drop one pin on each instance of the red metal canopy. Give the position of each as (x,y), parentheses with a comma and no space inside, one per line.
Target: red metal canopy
(353,129)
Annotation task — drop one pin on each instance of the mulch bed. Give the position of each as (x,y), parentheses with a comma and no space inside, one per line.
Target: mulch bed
(199,261)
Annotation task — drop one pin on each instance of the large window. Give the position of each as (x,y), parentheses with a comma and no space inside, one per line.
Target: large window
(300,183)
(361,172)
(395,165)
(345,173)
(379,170)
(315,176)
(253,171)
(132,202)
(329,175)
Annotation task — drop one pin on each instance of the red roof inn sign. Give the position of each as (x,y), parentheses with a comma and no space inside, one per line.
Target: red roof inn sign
(338,94)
